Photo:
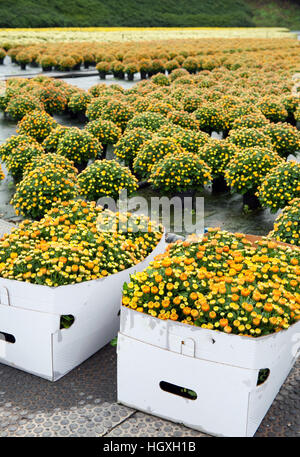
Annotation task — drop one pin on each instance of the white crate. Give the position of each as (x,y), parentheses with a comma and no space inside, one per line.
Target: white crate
(31,314)
(222,369)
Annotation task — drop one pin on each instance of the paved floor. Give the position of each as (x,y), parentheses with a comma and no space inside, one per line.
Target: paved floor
(84,403)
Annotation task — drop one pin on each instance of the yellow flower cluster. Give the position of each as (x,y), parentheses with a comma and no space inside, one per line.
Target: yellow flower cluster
(106,132)
(41,187)
(152,151)
(53,160)
(78,145)
(106,178)
(248,167)
(217,154)
(285,138)
(37,124)
(2,176)
(129,144)
(66,247)
(287,224)
(20,157)
(181,172)
(249,137)
(221,282)
(280,186)
(79,101)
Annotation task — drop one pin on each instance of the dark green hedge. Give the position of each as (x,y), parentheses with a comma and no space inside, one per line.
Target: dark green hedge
(149,13)
(141,13)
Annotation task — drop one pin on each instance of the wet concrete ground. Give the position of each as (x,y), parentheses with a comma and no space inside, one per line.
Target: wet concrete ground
(84,403)
(9,69)
(12,69)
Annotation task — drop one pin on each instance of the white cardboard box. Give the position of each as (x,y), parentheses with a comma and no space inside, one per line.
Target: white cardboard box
(31,314)
(222,369)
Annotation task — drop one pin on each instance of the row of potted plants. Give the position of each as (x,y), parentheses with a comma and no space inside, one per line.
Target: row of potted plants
(164,122)
(153,57)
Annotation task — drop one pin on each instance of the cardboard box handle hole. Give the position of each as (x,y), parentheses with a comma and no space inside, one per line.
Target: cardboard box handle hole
(178,390)
(262,376)
(7,337)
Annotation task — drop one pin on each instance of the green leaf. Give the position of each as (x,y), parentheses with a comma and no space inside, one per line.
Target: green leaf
(114,342)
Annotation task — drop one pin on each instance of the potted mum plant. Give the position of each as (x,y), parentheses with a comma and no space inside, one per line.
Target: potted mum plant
(130,69)
(129,144)
(285,138)
(78,103)
(103,69)
(286,225)
(37,124)
(23,58)
(2,55)
(246,171)
(47,62)
(148,120)
(106,178)
(152,151)
(106,132)
(22,104)
(280,186)
(34,195)
(180,174)
(79,146)
(217,154)
(118,69)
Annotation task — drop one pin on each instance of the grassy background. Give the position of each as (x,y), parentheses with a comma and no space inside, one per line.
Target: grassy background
(273,12)
(143,13)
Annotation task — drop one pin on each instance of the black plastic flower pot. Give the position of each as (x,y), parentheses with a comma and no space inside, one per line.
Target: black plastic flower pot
(143,74)
(86,65)
(219,185)
(77,66)
(143,184)
(186,194)
(251,200)
(1,60)
(49,68)
(119,74)
(130,76)
(291,120)
(23,66)
(102,74)
(17,178)
(81,166)
(104,151)
(82,117)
